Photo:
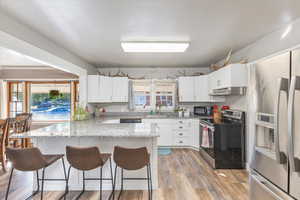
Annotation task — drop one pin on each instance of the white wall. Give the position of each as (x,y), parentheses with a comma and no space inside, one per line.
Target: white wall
(149,73)
(271,44)
(155,72)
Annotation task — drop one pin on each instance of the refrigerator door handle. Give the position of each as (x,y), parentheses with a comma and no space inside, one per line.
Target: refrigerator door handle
(283,85)
(295,85)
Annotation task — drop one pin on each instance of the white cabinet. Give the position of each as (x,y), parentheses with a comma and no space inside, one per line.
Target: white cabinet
(201,89)
(177,132)
(104,89)
(196,89)
(120,89)
(186,89)
(93,88)
(234,75)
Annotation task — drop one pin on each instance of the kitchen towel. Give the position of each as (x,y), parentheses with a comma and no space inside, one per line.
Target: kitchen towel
(205,138)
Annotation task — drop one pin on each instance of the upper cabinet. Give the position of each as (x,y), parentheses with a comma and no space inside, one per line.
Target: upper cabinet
(93,88)
(200,88)
(120,89)
(186,89)
(234,75)
(195,89)
(103,89)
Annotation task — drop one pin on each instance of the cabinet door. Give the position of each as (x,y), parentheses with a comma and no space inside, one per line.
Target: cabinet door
(120,89)
(201,89)
(186,89)
(195,133)
(105,89)
(93,88)
(166,136)
(212,82)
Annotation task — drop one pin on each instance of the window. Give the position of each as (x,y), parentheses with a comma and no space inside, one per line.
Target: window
(142,94)
(15,98)
(164,92)
(50,101)
(147,94)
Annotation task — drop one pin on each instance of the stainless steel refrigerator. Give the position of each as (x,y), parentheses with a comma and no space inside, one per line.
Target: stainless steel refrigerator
(275,163)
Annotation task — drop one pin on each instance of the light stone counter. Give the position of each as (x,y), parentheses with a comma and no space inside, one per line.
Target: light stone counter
(103,134)
(93,127)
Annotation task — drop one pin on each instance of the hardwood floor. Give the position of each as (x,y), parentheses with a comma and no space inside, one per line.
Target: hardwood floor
(183,175)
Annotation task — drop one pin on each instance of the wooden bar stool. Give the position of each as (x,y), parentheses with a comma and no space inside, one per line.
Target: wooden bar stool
(85,159)
(132,159)
(31,159)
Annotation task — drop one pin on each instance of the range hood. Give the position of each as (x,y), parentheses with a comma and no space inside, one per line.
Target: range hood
(234,91)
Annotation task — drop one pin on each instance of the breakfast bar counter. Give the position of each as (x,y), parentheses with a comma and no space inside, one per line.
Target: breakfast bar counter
(53,139)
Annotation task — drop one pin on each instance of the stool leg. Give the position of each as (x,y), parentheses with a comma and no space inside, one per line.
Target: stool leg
(112,179)
(148,183)
(67,183)
(114,183)
(8,187)
(151,190)
(121,184)
(83,185)
(43,177)
(150,180)
(66,178)
(101,183)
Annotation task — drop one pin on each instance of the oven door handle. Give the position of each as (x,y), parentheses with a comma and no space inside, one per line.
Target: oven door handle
(205,125)
(283,85)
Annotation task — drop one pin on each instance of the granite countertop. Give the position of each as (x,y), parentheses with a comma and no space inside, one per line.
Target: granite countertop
(143,115)
(92,128)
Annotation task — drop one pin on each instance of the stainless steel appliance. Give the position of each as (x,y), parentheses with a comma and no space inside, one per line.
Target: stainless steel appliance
(205,111)
(222,144)
(229,91)
(275,165)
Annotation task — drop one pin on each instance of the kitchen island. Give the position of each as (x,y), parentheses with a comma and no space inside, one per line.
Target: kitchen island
(53,139)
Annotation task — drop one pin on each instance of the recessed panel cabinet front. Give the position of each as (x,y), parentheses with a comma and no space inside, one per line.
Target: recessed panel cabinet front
(93,89)
(104,89)
(186,89)
(120,89)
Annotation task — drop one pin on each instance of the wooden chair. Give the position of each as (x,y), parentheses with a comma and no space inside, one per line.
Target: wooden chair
(21,124)
(4,129)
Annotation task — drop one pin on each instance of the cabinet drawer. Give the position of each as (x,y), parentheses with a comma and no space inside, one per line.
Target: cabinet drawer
(182,124)
(179,133)
(181,141)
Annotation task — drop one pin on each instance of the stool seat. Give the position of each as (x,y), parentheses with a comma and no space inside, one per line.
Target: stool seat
(85,159)
(132,159)
(52,158)
(31,159)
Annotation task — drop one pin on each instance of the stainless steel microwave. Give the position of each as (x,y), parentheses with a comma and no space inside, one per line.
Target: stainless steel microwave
(203,110)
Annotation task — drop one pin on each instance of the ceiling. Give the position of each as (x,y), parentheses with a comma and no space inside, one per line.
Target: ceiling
(93,29)
(12,58)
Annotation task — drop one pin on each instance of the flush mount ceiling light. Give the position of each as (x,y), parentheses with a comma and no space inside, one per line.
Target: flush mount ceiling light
(155,47)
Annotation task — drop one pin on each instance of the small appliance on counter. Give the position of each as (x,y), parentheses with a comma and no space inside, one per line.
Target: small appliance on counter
(203,111)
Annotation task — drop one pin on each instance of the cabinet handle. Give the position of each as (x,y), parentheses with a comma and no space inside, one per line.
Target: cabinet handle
(180,142)
(181,122)
(180,134)
(180,127)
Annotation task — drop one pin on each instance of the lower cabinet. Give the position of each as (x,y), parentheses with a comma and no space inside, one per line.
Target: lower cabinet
(177,132)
